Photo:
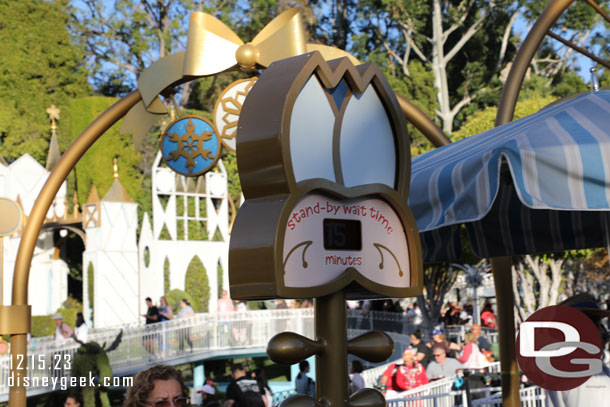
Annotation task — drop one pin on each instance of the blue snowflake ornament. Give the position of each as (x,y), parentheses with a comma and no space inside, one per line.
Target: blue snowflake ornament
(190,145)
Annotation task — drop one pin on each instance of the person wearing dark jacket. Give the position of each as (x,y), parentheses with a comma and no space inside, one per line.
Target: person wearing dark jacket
(243,391)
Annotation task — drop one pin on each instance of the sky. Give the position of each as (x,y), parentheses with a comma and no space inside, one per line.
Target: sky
(582,62)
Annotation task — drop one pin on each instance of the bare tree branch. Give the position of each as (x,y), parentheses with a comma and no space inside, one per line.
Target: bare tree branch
(506,37)
(464,14)
(407,32)
(472,30)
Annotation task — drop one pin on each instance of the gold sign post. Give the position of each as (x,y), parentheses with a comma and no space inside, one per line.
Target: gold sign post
(324,163)
(11,218)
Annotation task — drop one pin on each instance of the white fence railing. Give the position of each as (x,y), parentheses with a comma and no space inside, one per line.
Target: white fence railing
(442,396)
(397,322)
(371,376)
(199,334)
(457,333)
(434,394)
(160,342)
(530,397)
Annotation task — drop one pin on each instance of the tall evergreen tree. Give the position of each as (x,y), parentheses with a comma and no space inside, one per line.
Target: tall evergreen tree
(39,66)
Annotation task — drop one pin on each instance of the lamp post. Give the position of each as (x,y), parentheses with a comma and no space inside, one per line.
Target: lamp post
(474,278)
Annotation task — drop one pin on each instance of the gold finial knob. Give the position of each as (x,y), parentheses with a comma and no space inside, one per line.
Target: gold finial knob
(115,168)
(246,56)
(53,113)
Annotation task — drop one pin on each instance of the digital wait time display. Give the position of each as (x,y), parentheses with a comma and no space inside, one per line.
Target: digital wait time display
(342,234)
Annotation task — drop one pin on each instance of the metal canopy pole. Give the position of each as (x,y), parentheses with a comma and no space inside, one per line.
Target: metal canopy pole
(501,266)
(501,269)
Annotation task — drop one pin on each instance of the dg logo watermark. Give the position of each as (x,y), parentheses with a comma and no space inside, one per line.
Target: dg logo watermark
(559,348)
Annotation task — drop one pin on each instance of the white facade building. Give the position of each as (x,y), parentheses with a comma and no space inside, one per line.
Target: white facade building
(179,203)
(125,271)
(21,181)
(112,253)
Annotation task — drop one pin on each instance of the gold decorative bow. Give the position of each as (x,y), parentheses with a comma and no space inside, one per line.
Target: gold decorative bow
(211,48)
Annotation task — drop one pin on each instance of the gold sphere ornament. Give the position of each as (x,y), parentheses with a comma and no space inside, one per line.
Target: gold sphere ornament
(246,56)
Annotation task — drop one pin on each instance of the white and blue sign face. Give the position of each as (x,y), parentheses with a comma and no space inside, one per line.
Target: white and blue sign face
(190,145)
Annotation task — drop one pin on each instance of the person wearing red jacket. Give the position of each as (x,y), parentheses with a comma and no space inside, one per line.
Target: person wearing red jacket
(399,378)
(488,318)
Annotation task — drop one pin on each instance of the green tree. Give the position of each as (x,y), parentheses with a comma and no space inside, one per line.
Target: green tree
(95,168)
(196,285)
(91,279)
(39,66)
(336,21)
(418,88)
(484,120)
(459,42)
(175,296)
(219,278)
(166,280)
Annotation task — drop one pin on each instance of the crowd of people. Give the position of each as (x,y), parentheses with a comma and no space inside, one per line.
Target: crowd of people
(164,386)
(156,341)
(163,313)
(451,313)
(422,363)
(440,358)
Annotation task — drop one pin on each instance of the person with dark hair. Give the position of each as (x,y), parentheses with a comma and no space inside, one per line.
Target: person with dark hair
(303,383)
(81,331)
(261,378)
(488,318)
(152,313)
(73,400)
(243,391)
(356,380)
(439,337)
(158,386)
(186,311)
(424,354)
(152,316)
(466,315)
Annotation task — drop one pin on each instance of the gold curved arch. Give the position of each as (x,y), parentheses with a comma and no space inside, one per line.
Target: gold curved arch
(423,123)
(74,229)
(547,19)
(17,393)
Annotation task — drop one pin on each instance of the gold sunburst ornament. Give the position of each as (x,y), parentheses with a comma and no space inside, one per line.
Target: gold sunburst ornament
(212,48)
(227,110)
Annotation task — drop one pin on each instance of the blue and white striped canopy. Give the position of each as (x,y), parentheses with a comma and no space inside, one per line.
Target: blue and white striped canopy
(540,184)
